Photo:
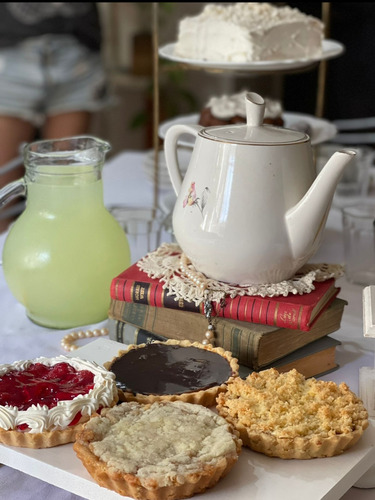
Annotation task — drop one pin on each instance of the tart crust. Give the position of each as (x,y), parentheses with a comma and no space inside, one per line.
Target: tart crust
(288,416)
(205,397)
(48,438)
(166,467)
(45,439)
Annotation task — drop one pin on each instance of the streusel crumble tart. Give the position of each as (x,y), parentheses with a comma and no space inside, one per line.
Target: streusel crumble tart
(166,450)
(173,370)
(43,402)
(288,416)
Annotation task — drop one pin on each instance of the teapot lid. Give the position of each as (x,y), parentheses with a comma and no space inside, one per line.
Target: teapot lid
(254,132)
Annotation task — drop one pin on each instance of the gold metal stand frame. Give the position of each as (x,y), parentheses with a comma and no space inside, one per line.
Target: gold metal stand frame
(322,72)
(156,97)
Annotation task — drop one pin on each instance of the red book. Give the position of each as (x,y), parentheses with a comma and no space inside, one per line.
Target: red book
(293,311)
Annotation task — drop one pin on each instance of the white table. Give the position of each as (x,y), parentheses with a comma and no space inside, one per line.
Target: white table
(124,183)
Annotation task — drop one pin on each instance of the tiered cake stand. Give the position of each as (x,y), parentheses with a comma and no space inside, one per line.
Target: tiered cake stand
(330,49)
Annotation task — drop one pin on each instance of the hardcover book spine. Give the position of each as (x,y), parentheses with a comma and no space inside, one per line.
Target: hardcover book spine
(126,333)
(265,312)
(151,294)
(258,310)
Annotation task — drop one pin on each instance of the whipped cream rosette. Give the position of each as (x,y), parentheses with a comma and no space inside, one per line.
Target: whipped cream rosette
(227,106)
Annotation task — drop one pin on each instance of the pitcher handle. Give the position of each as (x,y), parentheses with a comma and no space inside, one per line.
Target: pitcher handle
(170,150)
(11,190)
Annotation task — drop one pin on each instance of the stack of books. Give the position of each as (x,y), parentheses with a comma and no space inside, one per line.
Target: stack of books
(261,332)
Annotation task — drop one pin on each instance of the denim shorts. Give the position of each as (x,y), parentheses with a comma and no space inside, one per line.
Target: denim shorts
(49,75)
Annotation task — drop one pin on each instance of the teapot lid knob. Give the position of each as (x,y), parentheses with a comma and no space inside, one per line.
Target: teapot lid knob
(254,132)
(255,108)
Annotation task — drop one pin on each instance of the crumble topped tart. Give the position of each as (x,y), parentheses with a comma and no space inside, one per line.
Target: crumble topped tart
(157,451)
(173,370)
(288,416)
(43,402)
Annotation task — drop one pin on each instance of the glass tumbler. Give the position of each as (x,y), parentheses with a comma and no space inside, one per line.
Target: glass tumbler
(359,243)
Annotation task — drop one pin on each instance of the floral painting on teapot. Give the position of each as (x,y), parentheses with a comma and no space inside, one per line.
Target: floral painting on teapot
(191,199)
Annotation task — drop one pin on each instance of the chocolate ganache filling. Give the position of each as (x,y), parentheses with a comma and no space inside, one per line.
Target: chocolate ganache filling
(169,369)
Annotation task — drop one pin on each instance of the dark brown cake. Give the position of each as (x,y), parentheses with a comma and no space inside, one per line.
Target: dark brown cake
(231,109)
(207,119)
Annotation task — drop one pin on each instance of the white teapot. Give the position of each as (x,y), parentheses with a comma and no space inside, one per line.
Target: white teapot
(250,208)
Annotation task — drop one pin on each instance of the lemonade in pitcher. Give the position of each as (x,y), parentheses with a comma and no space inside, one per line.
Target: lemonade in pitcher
(61,254)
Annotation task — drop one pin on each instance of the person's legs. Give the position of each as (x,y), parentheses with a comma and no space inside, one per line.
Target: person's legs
(66,125)
(13,132)
(76,87)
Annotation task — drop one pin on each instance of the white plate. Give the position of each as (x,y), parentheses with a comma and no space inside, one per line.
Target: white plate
(255,475)
(356,138)
(331,48)
(321,130)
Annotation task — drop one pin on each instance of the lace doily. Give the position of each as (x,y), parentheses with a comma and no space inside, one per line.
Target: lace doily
(164,264)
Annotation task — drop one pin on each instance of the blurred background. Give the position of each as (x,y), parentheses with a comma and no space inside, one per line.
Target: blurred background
(349,80)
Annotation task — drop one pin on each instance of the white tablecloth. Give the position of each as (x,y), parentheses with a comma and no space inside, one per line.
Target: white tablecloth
(125,184)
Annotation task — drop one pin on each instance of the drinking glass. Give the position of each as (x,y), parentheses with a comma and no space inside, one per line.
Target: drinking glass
(359,243)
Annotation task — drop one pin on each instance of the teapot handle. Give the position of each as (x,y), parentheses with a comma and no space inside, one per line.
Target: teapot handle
(11,190)
(170,151)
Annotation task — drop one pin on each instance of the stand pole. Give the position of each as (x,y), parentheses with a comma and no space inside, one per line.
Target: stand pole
(155,45)
(322,72)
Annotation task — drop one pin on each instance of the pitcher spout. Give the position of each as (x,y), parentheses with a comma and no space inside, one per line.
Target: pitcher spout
(306,220)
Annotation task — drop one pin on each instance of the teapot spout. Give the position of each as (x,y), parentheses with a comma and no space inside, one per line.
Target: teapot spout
(306,220)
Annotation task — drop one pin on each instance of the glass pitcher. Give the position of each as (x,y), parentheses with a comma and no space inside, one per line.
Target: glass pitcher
(62,252)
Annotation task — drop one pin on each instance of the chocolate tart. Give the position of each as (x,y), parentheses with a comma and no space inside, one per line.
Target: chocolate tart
(164,450)
(173,371)
(44,402)
(288,416)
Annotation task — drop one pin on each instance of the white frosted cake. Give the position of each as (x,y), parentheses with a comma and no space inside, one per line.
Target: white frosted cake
(251,31)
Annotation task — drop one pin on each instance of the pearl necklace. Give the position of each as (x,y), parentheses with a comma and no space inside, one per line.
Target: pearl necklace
(196,277)
(201,281)
(68,341)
